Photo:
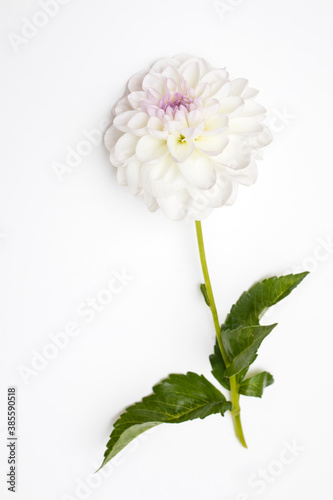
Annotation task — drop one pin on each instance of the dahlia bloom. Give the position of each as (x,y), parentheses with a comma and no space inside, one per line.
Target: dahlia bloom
(184,136)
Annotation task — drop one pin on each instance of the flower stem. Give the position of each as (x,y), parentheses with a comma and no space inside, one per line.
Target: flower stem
(235,412)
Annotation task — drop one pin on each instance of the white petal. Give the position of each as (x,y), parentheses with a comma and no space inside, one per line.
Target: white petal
(211,145)
(249,93)
(155,94)
(162,178)
(173,207)
(191,133)
(237,86)
(121,176)
(125,147)
(257,141)
(179,150)
(250,108)
(171,85)
(173,73)
(220,91)
(137,123)
(121,106)
(246,176)
(216,76)
(215,197)
(233,197)
(155,127)
(121,121)
(154,82)
(195,118)
(180,115)
(151,172)
(161,64)
(135,98)
(245,125)
(230,104)
(204,66)
(161,188)
(216,123)
(263,139)
(212,106)
(172,174)
(191,74)
(133,175)
(199,170)
(236,155)
(115,162)
(111,136)
(175,126)
(151,149)
(181,58)
(202,90)
(150,201)
(197,213)
(135,83)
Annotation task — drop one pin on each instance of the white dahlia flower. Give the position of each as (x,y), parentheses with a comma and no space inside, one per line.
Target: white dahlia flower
(184,136)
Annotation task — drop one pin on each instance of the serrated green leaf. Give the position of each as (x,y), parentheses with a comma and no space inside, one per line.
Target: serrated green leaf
(242,373)
(241,345)
(254,386)
(176,399)
(204,292)
(248,310)
(218,367)
(252,304)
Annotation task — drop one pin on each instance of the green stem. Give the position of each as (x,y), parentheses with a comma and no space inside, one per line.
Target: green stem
(235,412)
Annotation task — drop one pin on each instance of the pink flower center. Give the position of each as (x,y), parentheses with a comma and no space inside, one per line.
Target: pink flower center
(167,104)
(176,102)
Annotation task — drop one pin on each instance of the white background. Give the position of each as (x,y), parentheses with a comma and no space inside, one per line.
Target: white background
(60,241)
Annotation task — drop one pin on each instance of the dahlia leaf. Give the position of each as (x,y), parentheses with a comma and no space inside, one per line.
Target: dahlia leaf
(176,399)
(204,292)
(218,367)
(252,304)
(241,345)
(247,312)
(254,386)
